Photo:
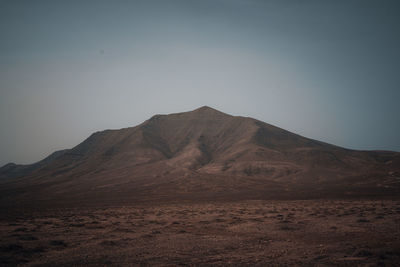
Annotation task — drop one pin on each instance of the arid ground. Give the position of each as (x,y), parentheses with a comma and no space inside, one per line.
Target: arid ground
(247,233)
(202,188)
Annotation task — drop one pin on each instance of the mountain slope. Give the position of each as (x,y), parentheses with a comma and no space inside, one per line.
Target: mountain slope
(202,154)
(12,170)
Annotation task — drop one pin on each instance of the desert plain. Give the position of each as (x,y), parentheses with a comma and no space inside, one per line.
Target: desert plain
(245,233)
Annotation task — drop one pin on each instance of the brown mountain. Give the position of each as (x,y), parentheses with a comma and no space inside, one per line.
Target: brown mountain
(203,154)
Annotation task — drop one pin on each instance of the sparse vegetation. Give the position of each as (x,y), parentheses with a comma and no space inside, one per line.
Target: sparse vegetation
(240,233)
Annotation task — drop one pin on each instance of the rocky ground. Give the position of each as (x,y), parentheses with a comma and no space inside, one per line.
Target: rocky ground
(250,233)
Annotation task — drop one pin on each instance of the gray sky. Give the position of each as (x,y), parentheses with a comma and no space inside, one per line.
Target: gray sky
(328,70)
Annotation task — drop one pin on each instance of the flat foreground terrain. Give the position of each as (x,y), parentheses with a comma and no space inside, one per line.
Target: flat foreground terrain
(251,233)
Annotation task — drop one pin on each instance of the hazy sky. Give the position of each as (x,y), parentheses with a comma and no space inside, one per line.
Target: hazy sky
(328,70)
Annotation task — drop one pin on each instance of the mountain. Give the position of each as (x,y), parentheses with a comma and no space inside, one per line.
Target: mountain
(203,154)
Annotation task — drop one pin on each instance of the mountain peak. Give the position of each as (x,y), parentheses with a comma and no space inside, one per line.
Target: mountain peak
(207,110)
(201,112)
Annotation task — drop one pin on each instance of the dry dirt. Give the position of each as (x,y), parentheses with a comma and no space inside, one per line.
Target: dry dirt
(247,233)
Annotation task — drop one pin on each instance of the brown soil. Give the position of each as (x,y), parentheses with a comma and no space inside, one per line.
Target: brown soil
(247,233)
